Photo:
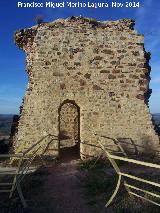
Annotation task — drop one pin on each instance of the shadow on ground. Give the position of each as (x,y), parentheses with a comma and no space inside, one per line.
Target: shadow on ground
(74,186)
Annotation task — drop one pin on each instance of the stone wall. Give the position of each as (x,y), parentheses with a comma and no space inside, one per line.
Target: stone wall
(100,66)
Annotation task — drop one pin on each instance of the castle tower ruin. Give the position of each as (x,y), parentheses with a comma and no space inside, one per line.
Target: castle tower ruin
(85,77)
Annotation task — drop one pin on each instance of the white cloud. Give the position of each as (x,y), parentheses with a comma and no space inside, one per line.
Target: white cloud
(152,44)
(155,66)
(144,6)
(10,98)
(156,80)
(154,101)
(142,12)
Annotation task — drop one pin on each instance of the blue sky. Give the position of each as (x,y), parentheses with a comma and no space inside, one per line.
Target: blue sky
(13,78)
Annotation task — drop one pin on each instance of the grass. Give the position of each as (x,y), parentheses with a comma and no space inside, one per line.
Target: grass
(92,164)
(96,184)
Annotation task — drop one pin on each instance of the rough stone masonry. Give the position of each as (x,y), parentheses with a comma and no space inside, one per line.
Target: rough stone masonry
(85,77)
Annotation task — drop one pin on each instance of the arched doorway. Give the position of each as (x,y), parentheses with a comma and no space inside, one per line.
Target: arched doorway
(69,130)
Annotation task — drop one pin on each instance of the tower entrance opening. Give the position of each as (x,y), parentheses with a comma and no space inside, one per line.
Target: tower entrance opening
(69,130)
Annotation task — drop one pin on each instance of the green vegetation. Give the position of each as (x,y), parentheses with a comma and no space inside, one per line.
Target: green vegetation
(93,164)
(96,184)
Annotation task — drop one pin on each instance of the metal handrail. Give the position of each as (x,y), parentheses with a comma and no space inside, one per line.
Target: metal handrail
(22,168)
(116,143)
(128,187)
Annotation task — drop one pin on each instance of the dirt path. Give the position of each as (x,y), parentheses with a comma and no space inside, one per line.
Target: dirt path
(57,188)
(63,187)
(62,191)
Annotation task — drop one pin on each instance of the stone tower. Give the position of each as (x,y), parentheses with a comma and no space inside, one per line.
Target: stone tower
(85,77)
